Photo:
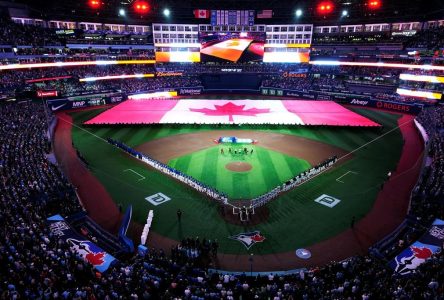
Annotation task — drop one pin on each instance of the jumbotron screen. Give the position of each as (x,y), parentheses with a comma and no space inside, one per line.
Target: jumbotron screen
(231,46)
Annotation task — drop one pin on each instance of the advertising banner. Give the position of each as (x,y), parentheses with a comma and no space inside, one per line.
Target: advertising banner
(406,262)
(189,91)
(85,101)
(86,249)
(358,100)
(388,105)
(47,94)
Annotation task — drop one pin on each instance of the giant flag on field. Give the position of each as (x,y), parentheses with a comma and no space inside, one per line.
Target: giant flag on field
(417,253)
(192,111)
(86,249)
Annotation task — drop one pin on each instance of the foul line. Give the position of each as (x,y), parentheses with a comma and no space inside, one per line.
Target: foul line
(357,149)
(131,170)
(83,129)
(375,139)
(348,172)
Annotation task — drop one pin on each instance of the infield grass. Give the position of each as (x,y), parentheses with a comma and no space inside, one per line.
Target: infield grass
(269,169)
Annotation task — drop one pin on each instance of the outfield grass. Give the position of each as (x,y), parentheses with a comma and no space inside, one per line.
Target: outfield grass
(270,169)
(295,219)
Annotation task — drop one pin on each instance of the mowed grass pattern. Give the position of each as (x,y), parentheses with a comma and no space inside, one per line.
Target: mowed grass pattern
(295,219)
(269,169)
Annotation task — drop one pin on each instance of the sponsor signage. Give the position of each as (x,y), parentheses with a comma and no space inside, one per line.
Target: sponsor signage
(68,31)
(406,262)
(404,33)
(190,91)
(157,199)
(84,248)
(86,101)
(47,94)
(293,75)
(387,105)
(359,102)
(168,74)
(299,73)
(231,70)
(327,200)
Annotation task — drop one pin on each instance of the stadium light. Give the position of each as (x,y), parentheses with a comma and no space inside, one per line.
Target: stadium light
(122,12)
(166,12)
(141,7)
(325,7)
(344,13)
(95,4)
(374,4)
(298,13)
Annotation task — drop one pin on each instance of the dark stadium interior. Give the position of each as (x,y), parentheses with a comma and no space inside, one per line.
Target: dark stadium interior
(283,10)
(366,71)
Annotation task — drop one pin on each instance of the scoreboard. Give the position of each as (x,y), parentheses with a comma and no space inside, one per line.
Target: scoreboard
(232,17)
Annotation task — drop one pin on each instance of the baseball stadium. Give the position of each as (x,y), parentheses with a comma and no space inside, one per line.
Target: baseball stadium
(245,150)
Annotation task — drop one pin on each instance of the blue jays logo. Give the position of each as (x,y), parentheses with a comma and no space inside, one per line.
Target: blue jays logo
(408,260)
(88,251)
(248,239)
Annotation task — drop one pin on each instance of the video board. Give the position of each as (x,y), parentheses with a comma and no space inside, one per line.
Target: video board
(232,46)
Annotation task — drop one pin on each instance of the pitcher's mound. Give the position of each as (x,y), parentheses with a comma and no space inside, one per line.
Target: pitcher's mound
(238,166)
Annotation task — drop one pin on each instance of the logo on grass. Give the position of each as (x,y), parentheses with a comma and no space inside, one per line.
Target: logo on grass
(303,253)
(327,200)
(157,199)
(248,239)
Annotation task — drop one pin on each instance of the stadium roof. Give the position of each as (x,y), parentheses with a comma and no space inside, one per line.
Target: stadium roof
(283,11)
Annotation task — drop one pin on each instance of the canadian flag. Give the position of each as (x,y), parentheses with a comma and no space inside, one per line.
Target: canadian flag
(201,13)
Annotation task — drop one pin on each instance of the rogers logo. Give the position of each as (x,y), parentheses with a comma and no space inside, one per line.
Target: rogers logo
(359,102)
(393,106)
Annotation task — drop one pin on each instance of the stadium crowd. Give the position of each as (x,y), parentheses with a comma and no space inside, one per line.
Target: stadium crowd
(311,78)
(15,34)
(19,81)
(38,265)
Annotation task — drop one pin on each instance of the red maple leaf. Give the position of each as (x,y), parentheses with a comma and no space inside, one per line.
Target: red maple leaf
(423,253)
(95,259)
(231,110)
(258,238)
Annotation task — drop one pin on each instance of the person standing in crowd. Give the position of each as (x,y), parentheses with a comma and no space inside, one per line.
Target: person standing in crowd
(179,215)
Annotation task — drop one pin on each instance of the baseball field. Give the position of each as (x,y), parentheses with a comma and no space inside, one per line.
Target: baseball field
(293,221)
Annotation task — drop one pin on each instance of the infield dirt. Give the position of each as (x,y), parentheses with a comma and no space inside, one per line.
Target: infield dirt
(167,148)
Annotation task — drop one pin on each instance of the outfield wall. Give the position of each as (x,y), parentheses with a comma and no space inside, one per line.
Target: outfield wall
(346,98)
(104,98)
(83,101)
